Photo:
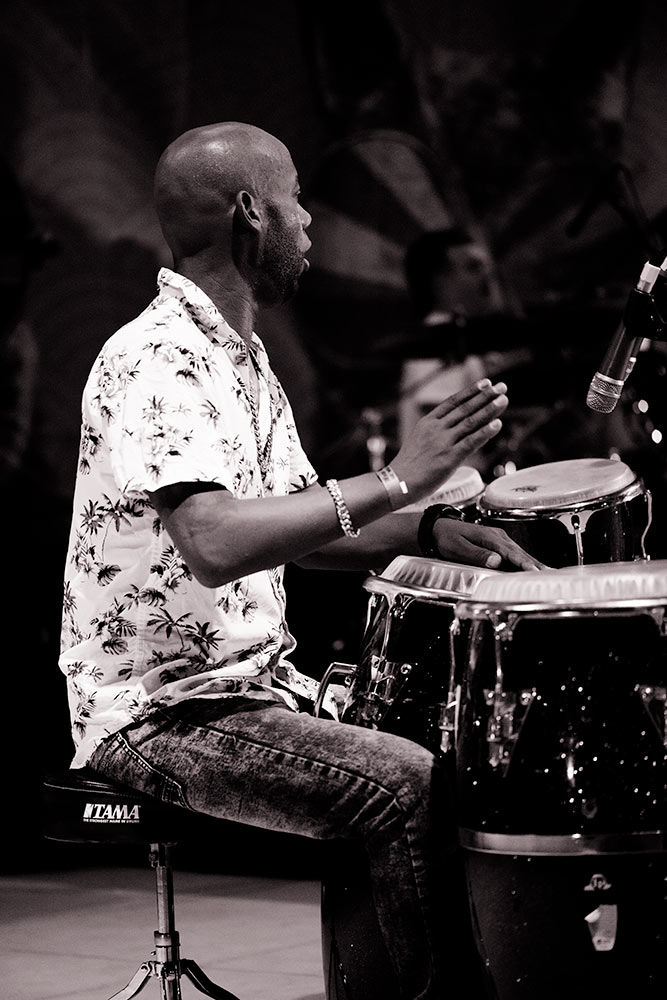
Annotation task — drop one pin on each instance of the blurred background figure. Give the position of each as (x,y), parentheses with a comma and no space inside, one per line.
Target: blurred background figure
(451,275)
(464,320)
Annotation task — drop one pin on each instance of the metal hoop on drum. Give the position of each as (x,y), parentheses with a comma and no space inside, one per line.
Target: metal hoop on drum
(561,763)
(574,512)
(405,683)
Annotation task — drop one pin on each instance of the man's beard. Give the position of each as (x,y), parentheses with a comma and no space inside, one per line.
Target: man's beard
(280,264)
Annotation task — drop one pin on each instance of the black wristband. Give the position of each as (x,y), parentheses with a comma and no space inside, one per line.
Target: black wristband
(432,514)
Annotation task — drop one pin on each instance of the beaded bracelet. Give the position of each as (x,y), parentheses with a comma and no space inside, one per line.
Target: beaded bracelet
(341,509)
(397,490)
(432,514)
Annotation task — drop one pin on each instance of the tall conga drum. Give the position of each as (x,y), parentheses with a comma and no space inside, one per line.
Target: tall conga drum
(404,683)
(571,513)
(561,775)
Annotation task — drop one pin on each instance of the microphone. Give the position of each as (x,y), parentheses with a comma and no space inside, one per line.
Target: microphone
(608,382)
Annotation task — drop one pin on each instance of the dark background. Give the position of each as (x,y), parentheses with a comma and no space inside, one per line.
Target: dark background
(511,118)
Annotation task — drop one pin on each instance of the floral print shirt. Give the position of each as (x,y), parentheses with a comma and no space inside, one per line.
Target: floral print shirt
(166,402)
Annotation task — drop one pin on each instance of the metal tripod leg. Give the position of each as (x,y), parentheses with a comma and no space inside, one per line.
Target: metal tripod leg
(203,983)
(136,983)
(166,964)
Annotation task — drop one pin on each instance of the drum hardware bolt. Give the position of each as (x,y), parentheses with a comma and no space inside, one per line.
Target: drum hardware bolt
(400,606)
(406,669)
(598,883)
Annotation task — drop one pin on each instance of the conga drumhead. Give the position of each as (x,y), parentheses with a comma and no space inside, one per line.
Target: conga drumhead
(425,578)
(597,585)
(556,485)
(462,488)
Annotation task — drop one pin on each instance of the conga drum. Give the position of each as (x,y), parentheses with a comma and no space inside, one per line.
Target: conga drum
(570,513)
(561,773)
(404,683)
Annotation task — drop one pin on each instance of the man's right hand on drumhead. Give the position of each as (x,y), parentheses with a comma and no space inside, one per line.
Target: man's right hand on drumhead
(449,434)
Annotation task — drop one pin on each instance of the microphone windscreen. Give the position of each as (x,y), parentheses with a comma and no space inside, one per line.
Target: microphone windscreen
(602,394)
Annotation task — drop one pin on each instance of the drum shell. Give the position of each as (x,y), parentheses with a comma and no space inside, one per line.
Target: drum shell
(615,529)
(400,685)
(584,744)
(407,642)
(534,919)
(405,675)
(566,828)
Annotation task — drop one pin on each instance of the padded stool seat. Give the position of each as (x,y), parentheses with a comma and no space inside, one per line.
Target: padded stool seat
(79,807)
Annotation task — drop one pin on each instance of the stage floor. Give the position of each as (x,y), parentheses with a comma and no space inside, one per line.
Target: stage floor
(82,934)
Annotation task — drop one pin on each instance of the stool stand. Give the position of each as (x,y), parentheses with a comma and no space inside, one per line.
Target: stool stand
(165,963)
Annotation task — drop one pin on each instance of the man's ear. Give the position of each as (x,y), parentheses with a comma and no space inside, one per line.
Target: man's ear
(247,211)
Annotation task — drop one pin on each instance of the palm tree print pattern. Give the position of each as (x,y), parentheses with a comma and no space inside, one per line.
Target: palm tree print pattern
(166,402)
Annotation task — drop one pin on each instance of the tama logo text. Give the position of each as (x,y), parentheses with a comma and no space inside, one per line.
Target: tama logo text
(103,812)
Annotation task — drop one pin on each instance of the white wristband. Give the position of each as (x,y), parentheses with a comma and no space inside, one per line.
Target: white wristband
(397,490)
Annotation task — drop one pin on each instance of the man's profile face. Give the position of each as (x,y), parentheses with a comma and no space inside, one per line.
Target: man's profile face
(282,254)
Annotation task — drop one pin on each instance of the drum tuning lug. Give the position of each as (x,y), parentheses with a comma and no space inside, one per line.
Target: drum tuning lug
(387,681)
(602,923)
(503,626)
(448,722)
(508,710)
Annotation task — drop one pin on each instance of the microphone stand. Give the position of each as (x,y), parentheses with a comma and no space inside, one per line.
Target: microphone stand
(642,314)
(616,186)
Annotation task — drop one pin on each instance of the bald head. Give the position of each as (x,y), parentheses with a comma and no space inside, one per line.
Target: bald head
(200,174)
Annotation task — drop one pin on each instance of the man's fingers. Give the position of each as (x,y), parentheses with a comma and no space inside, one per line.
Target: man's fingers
(500,548)
(480,419)
(471,441)
(467,401)
(484,545)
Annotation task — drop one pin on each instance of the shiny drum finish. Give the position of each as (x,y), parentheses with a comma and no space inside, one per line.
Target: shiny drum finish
(561,779)
(569,513)
(403,684)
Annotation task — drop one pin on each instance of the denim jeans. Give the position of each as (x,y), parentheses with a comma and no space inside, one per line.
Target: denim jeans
(258,762)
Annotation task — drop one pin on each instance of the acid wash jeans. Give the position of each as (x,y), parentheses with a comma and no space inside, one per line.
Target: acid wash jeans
(260,763)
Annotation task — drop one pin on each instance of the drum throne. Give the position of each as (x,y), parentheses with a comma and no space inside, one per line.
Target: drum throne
(80,808)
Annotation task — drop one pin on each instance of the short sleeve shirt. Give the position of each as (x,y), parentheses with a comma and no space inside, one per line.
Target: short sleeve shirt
(166,402)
